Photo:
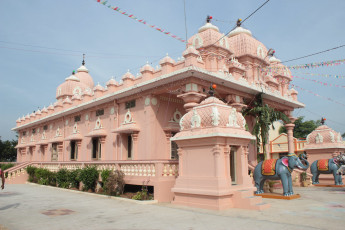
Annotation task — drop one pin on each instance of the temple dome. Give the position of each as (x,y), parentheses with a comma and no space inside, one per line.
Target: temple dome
(84,76)
(209,35)
(70,87)
(324,137)
(243,43)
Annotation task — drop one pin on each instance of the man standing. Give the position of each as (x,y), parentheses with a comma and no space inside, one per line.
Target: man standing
(2,175)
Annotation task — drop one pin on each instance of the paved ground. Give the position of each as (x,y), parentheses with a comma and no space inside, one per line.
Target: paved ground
(25,207)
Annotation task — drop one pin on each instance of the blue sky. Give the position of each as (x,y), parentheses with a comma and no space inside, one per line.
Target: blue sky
(114,43)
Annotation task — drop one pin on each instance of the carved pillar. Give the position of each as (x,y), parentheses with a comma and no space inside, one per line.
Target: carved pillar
(102,141)
(227,162)
(168,135)
(217,161)
(180,154)
(289,127)
(78,143)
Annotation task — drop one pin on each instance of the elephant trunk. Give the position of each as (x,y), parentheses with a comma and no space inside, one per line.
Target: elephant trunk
(305,164)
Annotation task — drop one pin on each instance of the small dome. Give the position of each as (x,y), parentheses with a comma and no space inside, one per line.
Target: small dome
(167,59)
(38,112)
(128,75)
(324,137)
(147,67)
(274,59)
(44,110)
(212,112)
(112,81)
(71,86)
(51,107)
(212,100)
(98,87)
(27,116)
(67,100)
(207,26)
(190,50)
(239,30)
(32,114)
(18,120)
(82,69)
(213,118)
(58,103)
(23,118)
(72,78)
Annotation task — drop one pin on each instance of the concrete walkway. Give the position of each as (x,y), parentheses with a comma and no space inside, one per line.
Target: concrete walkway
(25,207)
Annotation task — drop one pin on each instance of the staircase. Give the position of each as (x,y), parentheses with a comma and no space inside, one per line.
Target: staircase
(17,174)
(245,199)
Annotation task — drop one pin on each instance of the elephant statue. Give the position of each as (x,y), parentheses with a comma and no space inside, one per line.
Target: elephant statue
(275,169)
(328,166)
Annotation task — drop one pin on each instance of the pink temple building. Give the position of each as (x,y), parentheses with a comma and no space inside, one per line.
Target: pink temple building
(162,127)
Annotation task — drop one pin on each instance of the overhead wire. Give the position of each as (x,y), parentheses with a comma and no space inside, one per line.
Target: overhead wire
(243,21)
(309,55)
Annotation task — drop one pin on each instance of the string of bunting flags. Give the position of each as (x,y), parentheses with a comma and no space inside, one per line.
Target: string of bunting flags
(317,95)
(324,75)
(319,82)
(117,9)
(311,65)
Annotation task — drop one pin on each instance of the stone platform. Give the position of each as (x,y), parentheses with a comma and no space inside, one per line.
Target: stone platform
(278,196)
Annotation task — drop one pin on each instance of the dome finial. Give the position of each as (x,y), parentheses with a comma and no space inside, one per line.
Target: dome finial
(323,120)
(239,22)
(208,18)
(83,62)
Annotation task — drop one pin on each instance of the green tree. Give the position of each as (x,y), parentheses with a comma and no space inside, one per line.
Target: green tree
(302,128)
(8,153)
(264,117)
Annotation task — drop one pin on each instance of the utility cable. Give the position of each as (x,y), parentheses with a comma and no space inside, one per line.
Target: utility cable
(324,51)
(242,21)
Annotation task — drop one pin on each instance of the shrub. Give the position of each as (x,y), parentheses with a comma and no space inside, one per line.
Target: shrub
(62,178)
(31,171)
(89,176)
(115,183)
(42,176)
(73,178)
(6,166)
(105,175)
(142,195)
(52,178)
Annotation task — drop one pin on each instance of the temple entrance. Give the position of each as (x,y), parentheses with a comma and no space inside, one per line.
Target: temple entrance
(232,159)
(55,152)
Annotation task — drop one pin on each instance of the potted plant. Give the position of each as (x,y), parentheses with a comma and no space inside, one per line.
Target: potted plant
(304,179)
